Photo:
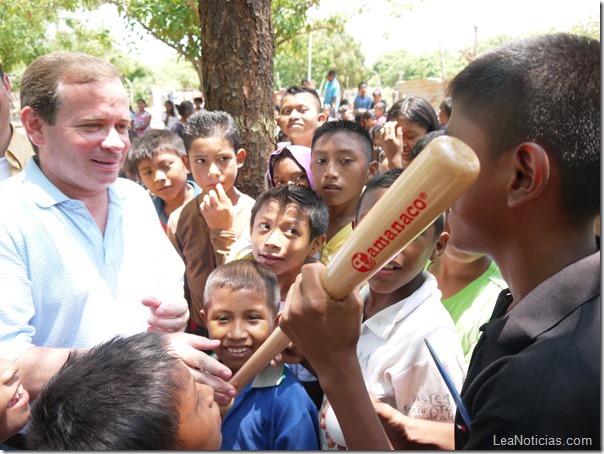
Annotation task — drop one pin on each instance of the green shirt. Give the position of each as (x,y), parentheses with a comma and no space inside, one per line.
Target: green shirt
(472,306)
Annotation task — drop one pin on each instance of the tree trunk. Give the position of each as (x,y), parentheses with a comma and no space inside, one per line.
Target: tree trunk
(237,43)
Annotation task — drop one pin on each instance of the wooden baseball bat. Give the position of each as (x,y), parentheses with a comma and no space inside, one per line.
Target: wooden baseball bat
(433,181)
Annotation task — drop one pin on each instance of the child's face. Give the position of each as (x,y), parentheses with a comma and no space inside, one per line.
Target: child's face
(165,175)
(213,160)
(409,263)
(281,239)
(340,168)
(412,132)
(14,400)
(199,420)
(299,117)
(286,171)
(241,320)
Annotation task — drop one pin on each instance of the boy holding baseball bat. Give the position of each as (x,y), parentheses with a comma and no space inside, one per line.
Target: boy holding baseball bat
(534,378)
(402,307)
(273,412)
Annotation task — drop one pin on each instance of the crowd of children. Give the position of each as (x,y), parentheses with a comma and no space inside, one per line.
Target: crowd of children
(249,262)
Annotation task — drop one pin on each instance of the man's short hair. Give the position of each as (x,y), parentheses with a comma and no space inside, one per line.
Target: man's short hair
(41,81)
(241,275)
(153,142)
(544,90)
(349,127)
(123,394)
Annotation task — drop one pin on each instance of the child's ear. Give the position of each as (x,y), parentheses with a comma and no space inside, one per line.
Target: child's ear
(204,316)
(440,246)
(186,162)
(33,125)
(240,157)
(374,169)
(316,244)
(321,118)
(531,172)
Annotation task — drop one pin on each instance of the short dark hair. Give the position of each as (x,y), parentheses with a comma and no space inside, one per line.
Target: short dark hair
(198,99)
(331,72)
(211,123)
(349,127)
(307,200)
(424,141)
(415,109)
(384,181)
(123,394)
(151,143)
(544,90)
(244,274)
(297,89)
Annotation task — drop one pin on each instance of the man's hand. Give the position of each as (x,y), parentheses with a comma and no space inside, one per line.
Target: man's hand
(217,209)
(204,368)
(167,316)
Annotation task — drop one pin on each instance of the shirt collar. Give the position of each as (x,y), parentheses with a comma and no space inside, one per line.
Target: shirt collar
(382,323)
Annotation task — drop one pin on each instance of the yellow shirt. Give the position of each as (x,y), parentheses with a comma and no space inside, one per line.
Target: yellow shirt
(19,150)
(331,248)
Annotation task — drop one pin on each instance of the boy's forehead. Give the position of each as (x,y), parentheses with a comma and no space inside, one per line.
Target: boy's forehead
(339,141)
(211,145)
(290,210)
(305,99)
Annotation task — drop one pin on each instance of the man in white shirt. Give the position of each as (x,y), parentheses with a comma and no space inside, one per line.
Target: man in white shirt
(82,256)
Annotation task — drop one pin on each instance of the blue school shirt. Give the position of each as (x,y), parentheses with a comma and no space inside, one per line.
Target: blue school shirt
(273,412)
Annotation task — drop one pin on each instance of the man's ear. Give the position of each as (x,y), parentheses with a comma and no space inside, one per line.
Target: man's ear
(317,243)
(33,125)
(440,246)
(531,166)
(240,157)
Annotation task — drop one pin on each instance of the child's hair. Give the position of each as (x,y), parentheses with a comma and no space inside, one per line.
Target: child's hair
(307,200)
(153,142)
(424,141)
(185,108)
(446,105)
(123,394)
(299,154)
(241,275)
(544,90)
(330,128)
(384,181)
(211,123)
(415,109)
(296,89)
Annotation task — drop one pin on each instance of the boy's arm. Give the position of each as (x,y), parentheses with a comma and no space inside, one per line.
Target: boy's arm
(217,211)
(326,332)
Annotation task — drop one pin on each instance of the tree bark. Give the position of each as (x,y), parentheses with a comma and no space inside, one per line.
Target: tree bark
(237,43)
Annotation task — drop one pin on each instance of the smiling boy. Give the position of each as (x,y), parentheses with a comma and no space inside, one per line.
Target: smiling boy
(300,114)
(273,412)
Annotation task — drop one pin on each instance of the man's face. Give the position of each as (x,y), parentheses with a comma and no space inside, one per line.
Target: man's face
(363,90)
(83,152)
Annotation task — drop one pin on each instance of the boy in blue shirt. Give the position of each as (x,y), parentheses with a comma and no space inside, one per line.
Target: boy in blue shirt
(273,412)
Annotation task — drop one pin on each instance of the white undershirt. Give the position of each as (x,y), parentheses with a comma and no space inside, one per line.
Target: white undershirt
(4,168)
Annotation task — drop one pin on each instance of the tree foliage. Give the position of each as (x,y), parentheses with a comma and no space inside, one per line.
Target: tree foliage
(330,50)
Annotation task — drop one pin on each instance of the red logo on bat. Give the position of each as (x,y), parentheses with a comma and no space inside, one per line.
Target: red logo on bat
(362,262)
